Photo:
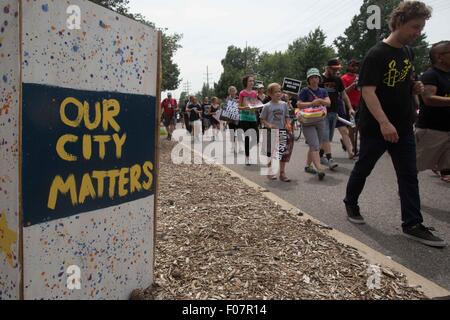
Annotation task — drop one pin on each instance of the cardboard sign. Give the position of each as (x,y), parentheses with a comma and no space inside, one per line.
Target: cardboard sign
(292,86)
(231,111)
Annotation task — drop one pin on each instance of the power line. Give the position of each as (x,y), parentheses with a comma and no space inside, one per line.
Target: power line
(187,87)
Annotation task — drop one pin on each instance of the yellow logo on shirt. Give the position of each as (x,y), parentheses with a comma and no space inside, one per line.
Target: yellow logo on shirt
(394,76)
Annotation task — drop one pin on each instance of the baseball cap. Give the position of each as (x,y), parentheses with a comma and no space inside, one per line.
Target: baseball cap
(260,86)
(169,94)
(312,72)
(335,64)
(353,62)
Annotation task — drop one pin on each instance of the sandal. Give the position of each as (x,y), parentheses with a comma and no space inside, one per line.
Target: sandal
(310,170)
(272,178)
(321,176)
(284,178)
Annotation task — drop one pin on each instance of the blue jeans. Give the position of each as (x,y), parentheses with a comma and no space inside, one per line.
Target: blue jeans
(403,156)
(330,126)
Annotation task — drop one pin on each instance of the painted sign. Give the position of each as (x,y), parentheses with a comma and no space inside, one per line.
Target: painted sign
(292,86)
(84,151)
(90,86)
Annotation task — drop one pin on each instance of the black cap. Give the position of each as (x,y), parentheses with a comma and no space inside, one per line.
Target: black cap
(353,62)
(335,64)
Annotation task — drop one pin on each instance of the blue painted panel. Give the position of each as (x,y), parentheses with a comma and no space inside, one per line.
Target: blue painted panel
(76,178)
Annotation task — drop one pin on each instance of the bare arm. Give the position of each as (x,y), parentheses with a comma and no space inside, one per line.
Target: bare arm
(348,103)
(431,99)
(267,124)
(388,131)
(318,102)
(351,87)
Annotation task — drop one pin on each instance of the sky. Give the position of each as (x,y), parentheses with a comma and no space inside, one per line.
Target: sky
(210,26)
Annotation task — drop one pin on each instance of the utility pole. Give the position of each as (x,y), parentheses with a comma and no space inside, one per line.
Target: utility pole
(207,76)
(246,51)
(187,87)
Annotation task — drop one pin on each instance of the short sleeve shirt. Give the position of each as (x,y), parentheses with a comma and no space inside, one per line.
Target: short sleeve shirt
(276,114)
(435,118)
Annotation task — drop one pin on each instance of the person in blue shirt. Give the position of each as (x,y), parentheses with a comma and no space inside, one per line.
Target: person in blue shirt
(313,96)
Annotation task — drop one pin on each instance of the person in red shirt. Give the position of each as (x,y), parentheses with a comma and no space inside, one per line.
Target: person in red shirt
(170,109)
(350,80)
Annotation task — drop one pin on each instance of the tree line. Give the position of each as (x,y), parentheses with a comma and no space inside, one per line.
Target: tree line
(312,51)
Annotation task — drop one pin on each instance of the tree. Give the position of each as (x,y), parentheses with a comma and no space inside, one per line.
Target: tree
(358,39)
(236,64)
(170,43)
(171,72)
(119,6)
(183,98)
(274,67)
(310,52)
(302,54)
(207,91)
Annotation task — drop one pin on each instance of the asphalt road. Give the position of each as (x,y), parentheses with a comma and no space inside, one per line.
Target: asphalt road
(380,206)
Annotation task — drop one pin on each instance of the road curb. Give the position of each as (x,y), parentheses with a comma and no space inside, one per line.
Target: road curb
(430,289)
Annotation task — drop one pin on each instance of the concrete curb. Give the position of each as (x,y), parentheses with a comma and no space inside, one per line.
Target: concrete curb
(429,288)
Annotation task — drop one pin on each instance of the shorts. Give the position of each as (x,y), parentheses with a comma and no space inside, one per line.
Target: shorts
(315,135)
(433,149)
(330,126)
(170,120)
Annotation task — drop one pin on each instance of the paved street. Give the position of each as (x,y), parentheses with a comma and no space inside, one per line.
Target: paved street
(379,203)
(380,206)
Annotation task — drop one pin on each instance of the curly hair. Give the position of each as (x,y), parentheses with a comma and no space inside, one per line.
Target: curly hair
(407,11)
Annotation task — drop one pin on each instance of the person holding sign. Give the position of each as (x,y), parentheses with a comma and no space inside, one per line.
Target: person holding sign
(230,114)
(314,97)
(195,115)
(275,117)
(248,104)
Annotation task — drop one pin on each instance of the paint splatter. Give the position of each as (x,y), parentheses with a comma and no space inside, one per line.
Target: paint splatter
(7,238)
(103,25)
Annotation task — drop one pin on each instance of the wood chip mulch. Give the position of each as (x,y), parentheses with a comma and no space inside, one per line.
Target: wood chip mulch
(218,239)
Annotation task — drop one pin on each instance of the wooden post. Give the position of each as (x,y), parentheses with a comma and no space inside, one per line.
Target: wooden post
(158,139)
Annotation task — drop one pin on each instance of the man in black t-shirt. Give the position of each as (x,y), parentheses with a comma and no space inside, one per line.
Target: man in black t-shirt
(387,117)
(433,133)
(336,91)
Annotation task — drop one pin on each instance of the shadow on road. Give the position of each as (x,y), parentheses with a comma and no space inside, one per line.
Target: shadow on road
(439,214)
(406,251)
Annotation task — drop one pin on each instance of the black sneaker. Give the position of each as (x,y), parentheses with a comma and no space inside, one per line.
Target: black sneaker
(423,235)
(321,175)
(354,215)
